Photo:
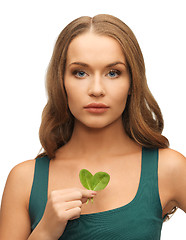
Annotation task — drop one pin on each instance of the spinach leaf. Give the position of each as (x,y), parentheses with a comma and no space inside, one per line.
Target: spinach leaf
(97,182)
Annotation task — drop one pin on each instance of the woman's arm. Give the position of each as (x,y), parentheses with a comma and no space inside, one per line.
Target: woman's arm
(178,180)
(176,172)
(62,205)
(14,216)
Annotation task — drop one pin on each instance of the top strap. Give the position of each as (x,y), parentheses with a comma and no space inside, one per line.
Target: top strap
(39,192)
(150,163)
(150,180)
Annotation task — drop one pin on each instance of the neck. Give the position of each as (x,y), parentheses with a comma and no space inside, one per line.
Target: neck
(96,143)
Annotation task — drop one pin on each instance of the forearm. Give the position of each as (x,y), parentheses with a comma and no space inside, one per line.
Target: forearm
(40,234)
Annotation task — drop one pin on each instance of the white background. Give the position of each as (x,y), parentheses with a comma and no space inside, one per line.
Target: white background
(28,31)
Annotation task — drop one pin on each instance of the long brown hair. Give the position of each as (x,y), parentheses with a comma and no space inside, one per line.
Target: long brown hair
(142,117)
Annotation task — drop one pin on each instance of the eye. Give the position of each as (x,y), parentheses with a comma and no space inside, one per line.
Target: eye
(114,72)
(81,74)
(78,73)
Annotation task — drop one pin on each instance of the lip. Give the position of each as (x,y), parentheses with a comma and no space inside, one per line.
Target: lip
(97,105)
(96,109)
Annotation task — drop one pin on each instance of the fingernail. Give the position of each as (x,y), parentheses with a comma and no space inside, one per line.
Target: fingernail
(93,193)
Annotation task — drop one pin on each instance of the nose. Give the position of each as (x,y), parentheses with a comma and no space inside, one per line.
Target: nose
(96,87)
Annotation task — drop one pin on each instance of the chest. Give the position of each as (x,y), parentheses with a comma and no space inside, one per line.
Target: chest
(121,189)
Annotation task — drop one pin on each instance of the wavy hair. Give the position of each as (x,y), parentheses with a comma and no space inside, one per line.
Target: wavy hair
(142,117)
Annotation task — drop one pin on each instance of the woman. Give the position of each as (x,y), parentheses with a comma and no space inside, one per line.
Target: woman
(100,116)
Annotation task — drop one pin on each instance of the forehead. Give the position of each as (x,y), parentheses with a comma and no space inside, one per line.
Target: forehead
(91,47)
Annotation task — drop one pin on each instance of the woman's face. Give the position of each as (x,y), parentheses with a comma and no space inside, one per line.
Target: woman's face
(89,79)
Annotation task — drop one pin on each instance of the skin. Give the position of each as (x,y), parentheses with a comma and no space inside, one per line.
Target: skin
(98,142)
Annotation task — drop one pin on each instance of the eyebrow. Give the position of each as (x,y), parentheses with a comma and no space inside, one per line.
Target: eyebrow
(86,65)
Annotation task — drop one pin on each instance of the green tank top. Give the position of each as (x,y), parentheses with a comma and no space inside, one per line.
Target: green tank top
(141,219)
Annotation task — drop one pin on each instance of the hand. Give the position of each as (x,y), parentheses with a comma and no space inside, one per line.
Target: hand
(62,205)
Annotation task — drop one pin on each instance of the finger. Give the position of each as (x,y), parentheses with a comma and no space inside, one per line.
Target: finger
(71,194)
(74,218)
(77,195)
(88,193)
(64,195)
(73,213)
(72,204)
(84,200)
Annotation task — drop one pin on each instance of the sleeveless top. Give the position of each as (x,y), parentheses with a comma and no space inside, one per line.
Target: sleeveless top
(140,219)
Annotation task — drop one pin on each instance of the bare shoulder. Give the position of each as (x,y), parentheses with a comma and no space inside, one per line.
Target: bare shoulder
(171,160)
(20,179)
(172,176)
(23,168)
(14,212)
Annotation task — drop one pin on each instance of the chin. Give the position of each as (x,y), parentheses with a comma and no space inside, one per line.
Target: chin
(96,124)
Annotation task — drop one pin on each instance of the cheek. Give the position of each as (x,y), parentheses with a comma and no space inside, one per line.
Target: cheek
(70,90)
(120,103)
(120,96)
(74,96)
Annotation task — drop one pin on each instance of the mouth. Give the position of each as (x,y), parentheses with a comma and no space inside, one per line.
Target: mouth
(97,105)
(96,109)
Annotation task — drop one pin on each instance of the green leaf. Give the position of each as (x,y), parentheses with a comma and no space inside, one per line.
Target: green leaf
(85,178)
(100,181)
(97,182)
